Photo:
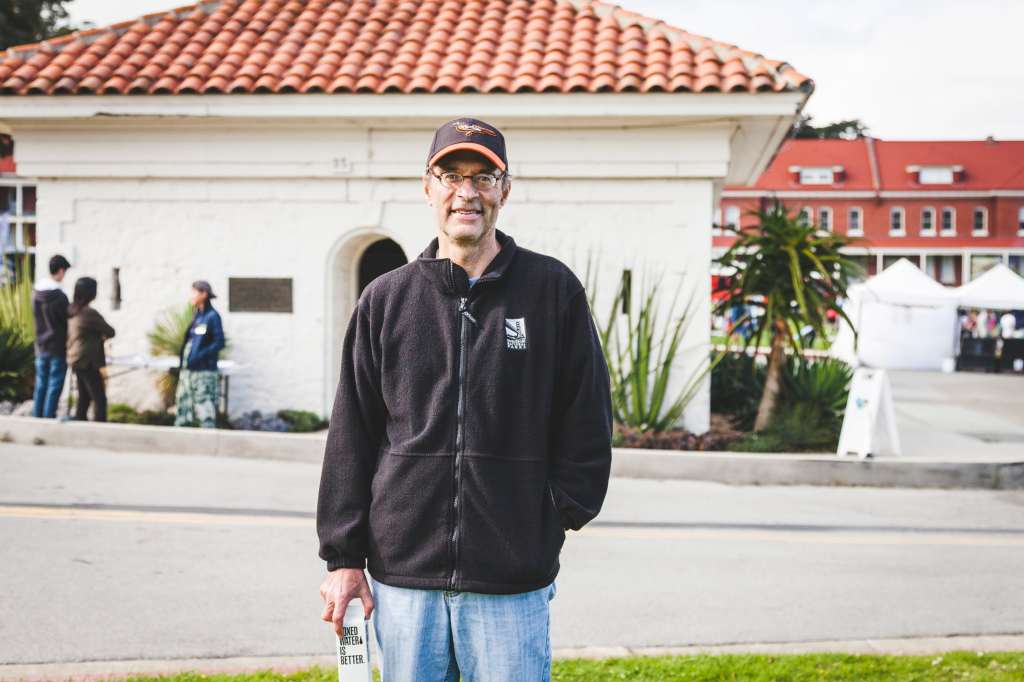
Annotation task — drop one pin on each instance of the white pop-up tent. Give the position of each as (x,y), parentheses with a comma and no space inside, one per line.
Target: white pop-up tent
(999,288)
(904,319)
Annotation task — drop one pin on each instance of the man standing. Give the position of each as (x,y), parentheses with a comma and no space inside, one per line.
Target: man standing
(50,311)
(471,428)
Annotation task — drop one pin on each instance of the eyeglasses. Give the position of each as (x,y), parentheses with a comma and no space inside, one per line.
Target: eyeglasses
(482,181)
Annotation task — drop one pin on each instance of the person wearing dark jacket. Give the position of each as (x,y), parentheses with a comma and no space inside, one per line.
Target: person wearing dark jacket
(50,312)
(87,330)
(198,380)
(471,428)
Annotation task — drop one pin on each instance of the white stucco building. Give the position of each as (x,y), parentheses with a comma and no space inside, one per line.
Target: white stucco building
(148,187)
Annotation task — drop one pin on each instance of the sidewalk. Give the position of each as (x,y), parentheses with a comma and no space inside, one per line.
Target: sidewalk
(996,469)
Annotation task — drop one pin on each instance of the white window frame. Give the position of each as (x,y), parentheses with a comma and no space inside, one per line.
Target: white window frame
(18,218)
(929,231)
(716,223)
(1020,221)
(805,216)
(817,175)
(902,231)
(951,232)
(983,232)
(855,231)
(822,212)
(730,212)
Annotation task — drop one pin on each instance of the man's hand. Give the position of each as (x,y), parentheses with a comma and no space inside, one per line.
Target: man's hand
(338,589)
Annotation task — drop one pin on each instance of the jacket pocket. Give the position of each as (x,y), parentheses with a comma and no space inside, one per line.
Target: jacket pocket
(410,515)
(511,531)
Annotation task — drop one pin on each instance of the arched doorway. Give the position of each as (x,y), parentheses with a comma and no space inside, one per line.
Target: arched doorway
(381,256)
(355,260)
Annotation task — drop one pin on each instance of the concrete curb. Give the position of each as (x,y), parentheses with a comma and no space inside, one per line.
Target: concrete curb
(296,447)
(818,470)
(909,646)
(721,467)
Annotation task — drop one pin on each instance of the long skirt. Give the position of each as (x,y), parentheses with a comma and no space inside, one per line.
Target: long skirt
(196,399)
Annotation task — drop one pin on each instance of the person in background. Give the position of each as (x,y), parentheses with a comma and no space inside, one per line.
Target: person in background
(198,379)
(1007,325)
(981,325)
(50,312)
(87,330)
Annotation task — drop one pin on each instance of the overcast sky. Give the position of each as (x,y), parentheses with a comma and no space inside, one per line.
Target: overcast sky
(912,69)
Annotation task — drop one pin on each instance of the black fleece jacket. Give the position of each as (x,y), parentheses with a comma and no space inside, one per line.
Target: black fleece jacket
(50,310)
(471,426)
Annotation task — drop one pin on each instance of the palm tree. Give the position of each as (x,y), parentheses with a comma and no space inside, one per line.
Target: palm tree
(796,273)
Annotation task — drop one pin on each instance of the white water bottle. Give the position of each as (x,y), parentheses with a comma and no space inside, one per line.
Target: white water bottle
(354,646)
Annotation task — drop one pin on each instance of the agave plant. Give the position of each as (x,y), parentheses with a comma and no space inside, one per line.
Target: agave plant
(822,383)
(17,333)
(640,351)
(16,303)
(165,339)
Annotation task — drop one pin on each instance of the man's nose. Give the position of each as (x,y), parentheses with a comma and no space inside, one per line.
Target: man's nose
(467,189)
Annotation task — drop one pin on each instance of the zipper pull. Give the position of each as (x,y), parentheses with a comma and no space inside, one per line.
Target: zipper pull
(464,311)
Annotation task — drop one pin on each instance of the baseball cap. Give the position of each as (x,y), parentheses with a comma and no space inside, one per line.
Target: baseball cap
(472,134)
(203,285)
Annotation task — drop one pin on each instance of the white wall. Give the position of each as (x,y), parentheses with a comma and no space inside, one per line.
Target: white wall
(169,203)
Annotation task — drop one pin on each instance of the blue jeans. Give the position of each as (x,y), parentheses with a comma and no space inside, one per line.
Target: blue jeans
(50,371)
(439,635)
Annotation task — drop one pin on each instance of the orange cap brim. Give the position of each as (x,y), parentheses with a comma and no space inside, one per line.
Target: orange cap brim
(471,146)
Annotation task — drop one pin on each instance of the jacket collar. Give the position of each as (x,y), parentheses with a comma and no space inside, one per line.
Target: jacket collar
(451,279)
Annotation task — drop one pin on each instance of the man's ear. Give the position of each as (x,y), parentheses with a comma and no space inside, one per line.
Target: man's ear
(506,187)
(426,189)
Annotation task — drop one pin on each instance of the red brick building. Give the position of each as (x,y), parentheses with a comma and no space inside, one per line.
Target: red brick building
(954,208)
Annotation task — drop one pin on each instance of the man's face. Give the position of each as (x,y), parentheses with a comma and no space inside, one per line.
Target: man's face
(59,275)
(465,214)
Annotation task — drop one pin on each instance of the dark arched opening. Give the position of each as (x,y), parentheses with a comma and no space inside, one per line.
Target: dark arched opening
(380,257)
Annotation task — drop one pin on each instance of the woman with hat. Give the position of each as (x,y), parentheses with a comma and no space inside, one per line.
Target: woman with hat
(198,379)
(87,330)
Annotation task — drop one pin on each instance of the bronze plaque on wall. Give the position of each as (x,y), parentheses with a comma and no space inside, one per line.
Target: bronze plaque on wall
(260,294)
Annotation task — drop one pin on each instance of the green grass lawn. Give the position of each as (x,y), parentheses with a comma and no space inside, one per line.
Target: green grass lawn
(958,666)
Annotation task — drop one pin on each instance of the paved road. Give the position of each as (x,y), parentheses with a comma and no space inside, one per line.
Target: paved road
(133,556)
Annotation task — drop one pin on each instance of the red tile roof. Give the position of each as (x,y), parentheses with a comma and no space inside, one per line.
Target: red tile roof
(382,46)
(987,164)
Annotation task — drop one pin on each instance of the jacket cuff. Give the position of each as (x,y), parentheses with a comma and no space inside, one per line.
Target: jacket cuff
(346,562)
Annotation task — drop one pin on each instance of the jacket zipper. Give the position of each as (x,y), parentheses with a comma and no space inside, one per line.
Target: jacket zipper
(460,436)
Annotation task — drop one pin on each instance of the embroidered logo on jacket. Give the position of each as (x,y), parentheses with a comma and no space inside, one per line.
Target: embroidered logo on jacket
(515,333)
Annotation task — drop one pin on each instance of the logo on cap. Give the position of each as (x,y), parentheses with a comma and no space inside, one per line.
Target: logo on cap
(468,129)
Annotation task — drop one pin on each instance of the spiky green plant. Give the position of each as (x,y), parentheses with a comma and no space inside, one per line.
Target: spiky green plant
(824,383)
(640,351)
(797,273)
(17,334)
(165,339)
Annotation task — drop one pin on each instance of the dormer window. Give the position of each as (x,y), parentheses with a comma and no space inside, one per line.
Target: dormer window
(936,175)
(817,175)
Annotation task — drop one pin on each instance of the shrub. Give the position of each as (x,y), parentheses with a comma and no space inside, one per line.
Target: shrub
(302,421)
(823,383)
(737,382)
(798,427)
(121,413)
(809,413)
(16,366)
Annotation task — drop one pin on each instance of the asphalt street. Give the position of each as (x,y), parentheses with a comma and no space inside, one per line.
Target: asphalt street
(139,556)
